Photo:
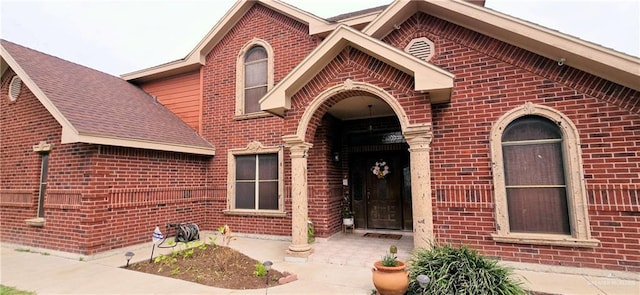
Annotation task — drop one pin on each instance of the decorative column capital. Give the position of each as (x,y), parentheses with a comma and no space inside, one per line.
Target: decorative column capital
(42,147)
(418,137)
(297,146)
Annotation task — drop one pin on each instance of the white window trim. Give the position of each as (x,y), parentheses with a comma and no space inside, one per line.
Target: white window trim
(239,113)
(576,191)
(253,148)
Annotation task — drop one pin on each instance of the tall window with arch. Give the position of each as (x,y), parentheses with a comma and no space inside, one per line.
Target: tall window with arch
(539,190)
(534,176)
(255,78)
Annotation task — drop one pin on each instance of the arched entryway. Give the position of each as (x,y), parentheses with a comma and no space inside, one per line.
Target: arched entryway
(414,168)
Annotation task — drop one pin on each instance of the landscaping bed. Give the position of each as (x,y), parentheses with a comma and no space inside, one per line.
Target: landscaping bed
(211,265)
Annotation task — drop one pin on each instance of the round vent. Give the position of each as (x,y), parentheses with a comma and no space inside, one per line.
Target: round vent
(421,48)
(14,88)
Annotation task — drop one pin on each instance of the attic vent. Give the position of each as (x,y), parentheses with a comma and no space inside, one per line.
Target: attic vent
(14,88)
(421,48)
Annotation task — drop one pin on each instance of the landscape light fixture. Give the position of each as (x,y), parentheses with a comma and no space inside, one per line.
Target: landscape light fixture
(128,255)
(423,281)
(267,265)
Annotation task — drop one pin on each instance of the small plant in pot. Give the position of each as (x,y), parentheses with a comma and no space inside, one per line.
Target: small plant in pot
(389,274)
(347,214)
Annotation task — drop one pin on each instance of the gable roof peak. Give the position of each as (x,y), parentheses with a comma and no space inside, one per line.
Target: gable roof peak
(97,108)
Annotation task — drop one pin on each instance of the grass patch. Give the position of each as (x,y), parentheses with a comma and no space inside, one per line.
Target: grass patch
(7,290)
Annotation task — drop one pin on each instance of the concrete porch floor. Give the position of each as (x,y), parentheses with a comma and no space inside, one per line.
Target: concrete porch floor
(356,250)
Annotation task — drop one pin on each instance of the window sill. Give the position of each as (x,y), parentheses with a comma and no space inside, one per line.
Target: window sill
(545,239)
(255,213)
(255,115)
(36,222)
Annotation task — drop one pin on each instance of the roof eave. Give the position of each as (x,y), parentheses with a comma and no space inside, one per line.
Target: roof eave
(592,58)
(161,71)
(357,22)
(33,87)
(428,78)
(197,56)
(69,136)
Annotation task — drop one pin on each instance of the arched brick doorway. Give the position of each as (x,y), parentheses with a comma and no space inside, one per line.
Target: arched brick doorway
(417,138)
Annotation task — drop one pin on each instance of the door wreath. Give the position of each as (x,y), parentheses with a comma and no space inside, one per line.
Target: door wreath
(380,169)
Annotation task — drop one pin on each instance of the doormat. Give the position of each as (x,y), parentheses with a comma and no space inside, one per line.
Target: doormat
(383,236)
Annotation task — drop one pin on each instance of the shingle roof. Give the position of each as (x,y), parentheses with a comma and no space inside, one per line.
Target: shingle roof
(340,17)
(99,105)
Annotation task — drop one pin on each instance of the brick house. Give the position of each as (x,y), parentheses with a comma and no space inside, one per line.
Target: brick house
(511,138)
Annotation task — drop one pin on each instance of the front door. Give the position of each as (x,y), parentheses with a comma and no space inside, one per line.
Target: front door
(378,198)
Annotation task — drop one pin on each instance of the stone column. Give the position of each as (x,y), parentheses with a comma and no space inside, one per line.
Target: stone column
(299,200)
(419,140)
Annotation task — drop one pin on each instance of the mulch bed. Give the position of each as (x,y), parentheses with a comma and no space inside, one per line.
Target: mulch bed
(219,266)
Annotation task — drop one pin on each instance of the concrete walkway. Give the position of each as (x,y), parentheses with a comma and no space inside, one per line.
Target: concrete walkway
(340,265)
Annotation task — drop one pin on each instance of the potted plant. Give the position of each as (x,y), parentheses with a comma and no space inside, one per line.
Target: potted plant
(389,274)
(347,214)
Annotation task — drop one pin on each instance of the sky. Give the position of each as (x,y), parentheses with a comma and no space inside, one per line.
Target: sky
(119,36)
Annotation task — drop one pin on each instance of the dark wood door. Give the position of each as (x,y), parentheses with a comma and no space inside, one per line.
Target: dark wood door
(381,194)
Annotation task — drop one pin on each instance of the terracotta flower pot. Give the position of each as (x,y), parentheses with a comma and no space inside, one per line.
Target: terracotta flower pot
(390,280)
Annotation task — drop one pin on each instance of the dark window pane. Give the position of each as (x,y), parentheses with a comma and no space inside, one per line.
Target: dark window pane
(538,210)
(268,167)
(255,74)
(246,167)
(252,97)
(531,128)
(532,154)
(268,195)
(245,195)
(255,53)
(534,164)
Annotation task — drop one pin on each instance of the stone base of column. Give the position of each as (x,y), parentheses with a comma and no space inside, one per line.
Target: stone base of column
(298,254)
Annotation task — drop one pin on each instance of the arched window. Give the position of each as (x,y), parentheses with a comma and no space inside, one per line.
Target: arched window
(254,77)
(538,180)
(534,176)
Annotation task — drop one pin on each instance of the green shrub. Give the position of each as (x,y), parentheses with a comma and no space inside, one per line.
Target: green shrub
(459,271)
(260,271)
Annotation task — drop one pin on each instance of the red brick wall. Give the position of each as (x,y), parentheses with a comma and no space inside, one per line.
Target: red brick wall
(493,77)
(325,192)
(24,123)
(80,214)
(291,43)
(133,190)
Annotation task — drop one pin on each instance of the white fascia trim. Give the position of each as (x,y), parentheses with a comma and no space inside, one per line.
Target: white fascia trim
(589,57)
(279,98)
(199,54)
(351,22)
(544,35)
(33,87)
(395,13)
(71,137)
